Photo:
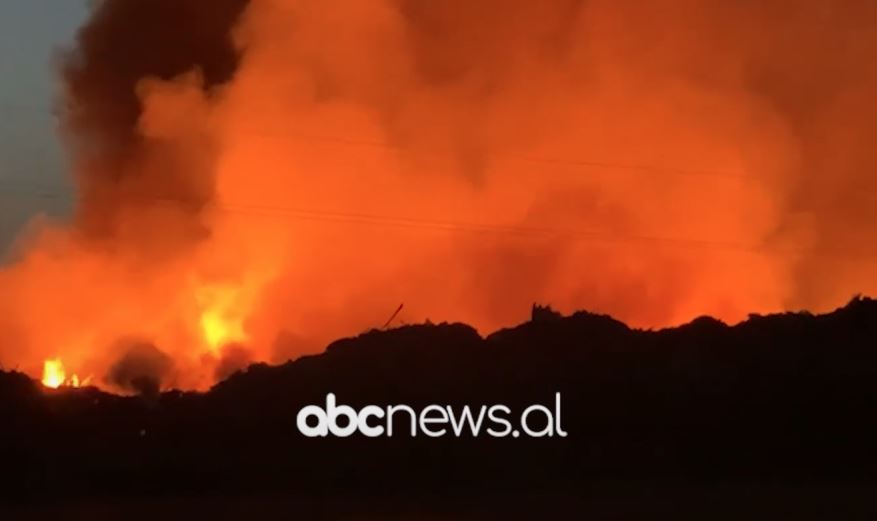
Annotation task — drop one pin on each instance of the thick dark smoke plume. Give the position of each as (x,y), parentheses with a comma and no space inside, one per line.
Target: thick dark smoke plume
(124,42)
(142,368)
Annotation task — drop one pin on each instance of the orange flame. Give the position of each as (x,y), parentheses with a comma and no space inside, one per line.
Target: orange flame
(650,163)
(222,319)
(55,376)
(53,373)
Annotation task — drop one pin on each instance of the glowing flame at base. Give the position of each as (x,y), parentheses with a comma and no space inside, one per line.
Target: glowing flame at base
(53,373)
(218,331)
(222,318)
(55,376)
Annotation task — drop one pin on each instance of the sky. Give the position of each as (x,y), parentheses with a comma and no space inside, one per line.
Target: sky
(32,174)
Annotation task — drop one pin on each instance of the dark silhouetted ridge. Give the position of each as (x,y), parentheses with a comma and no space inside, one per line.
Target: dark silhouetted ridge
(787,398)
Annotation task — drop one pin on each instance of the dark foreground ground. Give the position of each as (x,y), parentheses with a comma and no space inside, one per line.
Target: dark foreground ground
(775,418)
(612,501)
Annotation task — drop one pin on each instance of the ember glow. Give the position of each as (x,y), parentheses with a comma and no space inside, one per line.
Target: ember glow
(54,375)
(261,177)
(222,318)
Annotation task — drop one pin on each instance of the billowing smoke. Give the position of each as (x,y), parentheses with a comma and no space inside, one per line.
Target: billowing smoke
(234,358)
(141,368)
(125,43)
(273,174)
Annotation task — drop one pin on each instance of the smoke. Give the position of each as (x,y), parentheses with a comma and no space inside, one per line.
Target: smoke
(142,368)
(234,358)
(125,47)
(262,177)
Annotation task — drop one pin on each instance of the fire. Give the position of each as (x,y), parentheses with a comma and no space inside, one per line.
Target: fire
(55,376)
(222,320)
(253,185)
(217,331)
(53,373)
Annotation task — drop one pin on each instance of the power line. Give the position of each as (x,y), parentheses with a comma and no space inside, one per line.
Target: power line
(409,222)
(489,228)
(588,163)
(398,148)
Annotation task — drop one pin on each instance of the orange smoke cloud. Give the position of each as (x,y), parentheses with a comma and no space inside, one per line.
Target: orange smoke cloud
(284,172)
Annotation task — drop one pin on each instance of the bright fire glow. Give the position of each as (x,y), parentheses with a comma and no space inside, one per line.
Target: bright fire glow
(55,376)
(53,373)
(222,320)
(439,155)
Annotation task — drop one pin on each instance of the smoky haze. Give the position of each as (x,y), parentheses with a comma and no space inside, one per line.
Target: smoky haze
(124,42)
(272,174)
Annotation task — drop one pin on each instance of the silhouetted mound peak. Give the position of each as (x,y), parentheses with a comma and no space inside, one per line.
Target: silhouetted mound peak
(706,323)
(544,314)
(417,337)
(549,329)
(18,393)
